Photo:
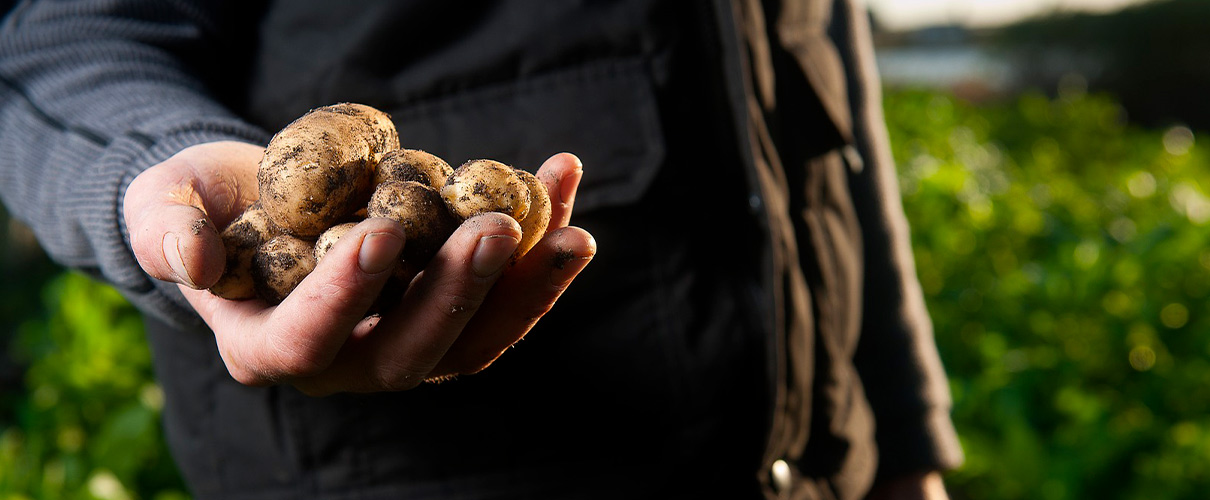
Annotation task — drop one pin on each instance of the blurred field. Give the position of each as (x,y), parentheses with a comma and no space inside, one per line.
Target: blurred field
(1064,256)
(79,409)
(1063,253)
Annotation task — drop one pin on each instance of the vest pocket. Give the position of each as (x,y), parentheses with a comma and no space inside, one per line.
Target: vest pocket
(604,112)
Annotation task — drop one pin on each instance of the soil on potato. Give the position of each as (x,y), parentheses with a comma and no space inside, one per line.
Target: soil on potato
(282,261)
(243,234)
(289,156)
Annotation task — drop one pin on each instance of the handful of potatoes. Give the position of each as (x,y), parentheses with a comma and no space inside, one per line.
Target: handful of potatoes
(339,164)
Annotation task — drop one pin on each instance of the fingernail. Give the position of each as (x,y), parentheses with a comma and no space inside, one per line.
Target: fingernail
(492,254)
(565,265)
(567,187)
(379,252)
(172,253)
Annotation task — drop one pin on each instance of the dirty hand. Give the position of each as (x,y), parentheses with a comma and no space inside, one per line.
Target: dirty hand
(457,317)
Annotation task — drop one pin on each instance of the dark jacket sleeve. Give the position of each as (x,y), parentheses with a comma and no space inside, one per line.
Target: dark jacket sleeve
(896,357)
(91,94)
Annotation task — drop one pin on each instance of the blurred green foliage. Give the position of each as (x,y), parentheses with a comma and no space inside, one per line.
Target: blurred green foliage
(86,424)
(1064,256)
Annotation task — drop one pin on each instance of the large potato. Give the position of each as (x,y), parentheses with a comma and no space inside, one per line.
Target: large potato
(320,168)
(382,136)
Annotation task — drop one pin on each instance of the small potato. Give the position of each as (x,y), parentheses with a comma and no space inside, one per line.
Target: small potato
(329,238)
(280,264)
(320,168)
(533,226)
(413,165)
(419,208)
(240,239)
(480,186)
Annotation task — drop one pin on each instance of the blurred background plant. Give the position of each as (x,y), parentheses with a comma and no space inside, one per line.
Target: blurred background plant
(79,408)
(1065,259)
(1060,228)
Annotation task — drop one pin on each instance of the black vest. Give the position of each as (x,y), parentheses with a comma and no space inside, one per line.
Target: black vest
(647,378)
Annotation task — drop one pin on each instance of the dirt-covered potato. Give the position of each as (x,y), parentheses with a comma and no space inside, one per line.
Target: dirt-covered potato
(280,264)
(342,163)
(320,168)
(413,165)
(481,186)
(382,135)
(426,221)
(329,238)
(533,226)
(240,239)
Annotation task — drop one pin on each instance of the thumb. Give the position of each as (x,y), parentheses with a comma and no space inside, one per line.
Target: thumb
(172,233)
(173,241)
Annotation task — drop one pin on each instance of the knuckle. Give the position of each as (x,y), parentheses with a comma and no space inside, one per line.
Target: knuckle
(293,359)
(457,307)
(394,378)
(240,370)
(298,364)
(333,293)
(246,376)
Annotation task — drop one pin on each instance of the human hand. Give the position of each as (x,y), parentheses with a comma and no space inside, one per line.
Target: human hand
(457,317)
(917,486)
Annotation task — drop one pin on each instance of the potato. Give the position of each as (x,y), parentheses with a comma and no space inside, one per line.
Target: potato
(382,136)
(280,264)
(413,165)
(240,239)
(533,226)
(320,168)
(343,162)
(480,186)
(329,238)
(426,221)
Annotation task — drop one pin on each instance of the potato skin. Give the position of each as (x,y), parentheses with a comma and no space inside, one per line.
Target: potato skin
(413,165)
(426,221)
(240,239)
(329,238)
(480,186)
(533,226)
(280,264)
(382,136)
(320,168)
